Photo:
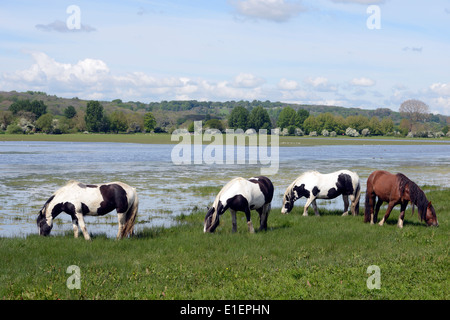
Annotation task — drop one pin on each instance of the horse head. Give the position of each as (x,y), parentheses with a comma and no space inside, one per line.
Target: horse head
(41,221)
(288,202)
(430,216)
(211,220)
(43,226)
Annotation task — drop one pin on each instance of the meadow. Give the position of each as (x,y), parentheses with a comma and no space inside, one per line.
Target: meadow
(165,138)
(297,258)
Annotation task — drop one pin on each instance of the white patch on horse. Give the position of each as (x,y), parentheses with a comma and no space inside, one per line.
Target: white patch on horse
(315,185)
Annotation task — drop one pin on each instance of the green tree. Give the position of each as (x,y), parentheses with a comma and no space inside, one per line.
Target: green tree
(386,126)
(149,122)
(311,124)
(358,122)
(238,118)
(70,112)
(37,107)
(288,117)
(95,119)
(118,122)
(326,121)
(214,124)
(302,114)
(45,123)
(374,126)
(259,119)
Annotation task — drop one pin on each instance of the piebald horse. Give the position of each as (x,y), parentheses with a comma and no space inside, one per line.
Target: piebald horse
(242,195)
(314,185)
(396,189)
(78,200)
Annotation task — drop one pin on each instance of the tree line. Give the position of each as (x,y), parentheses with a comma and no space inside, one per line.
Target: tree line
(24,116)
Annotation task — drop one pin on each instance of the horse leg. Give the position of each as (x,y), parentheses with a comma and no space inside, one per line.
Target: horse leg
(345,198)
(121,220)
(249,220)
(308,203)
(263,215)
(388,212)
(75,226)
(83,226)
(233,220)
(316,211)
(402,214)
(377,209)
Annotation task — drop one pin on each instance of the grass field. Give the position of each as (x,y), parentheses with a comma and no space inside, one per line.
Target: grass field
(166,139)
(298,257)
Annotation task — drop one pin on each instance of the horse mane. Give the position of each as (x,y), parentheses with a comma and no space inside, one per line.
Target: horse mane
(217,199)
(416,195)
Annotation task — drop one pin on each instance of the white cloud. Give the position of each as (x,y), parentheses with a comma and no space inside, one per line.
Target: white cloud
(320,84)
(441,88)
(92,79)
(272,10)
(247,80)
(289,85)
(46,69)
(363,82)
(441,105)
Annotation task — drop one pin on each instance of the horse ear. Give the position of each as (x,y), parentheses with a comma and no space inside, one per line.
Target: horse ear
(429,204)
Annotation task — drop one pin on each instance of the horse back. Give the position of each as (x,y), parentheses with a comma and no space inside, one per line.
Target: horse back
(384,184)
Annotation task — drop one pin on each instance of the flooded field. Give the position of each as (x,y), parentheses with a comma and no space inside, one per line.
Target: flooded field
(31,171)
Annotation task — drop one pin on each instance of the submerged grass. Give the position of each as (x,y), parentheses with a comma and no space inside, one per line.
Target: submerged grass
(298,257)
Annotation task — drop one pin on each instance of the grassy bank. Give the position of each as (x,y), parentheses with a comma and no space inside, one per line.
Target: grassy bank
(297,258)
(162,138)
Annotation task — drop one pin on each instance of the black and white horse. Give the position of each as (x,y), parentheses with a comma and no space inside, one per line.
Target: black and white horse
(314,185)
(78,200)
(242,195)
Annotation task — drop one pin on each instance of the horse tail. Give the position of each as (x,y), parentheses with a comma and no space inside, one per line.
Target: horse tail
(357,197)
(367,205)
(130,217)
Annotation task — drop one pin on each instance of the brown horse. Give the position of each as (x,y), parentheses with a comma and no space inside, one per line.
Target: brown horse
(396,189)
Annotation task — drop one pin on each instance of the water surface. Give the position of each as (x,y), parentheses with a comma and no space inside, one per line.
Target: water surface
(32,171)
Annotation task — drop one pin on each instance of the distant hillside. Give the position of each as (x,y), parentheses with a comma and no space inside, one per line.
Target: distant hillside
(176,113)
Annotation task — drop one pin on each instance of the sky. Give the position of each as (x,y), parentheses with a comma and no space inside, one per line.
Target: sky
(352,53)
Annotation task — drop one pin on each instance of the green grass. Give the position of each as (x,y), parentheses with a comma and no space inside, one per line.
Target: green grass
(298,257)
(161,138)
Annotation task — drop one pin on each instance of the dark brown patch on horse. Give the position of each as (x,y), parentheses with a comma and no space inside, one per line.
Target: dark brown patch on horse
(266,187)
(83,186)
(344,186)
(301,191)
(84,209)
(114,197)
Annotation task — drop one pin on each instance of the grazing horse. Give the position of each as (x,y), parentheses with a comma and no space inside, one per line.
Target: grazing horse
(78,199)
(315,185)
(242,195)
(396,189)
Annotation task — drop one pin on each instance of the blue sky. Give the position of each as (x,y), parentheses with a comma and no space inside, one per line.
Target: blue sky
(312,52)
